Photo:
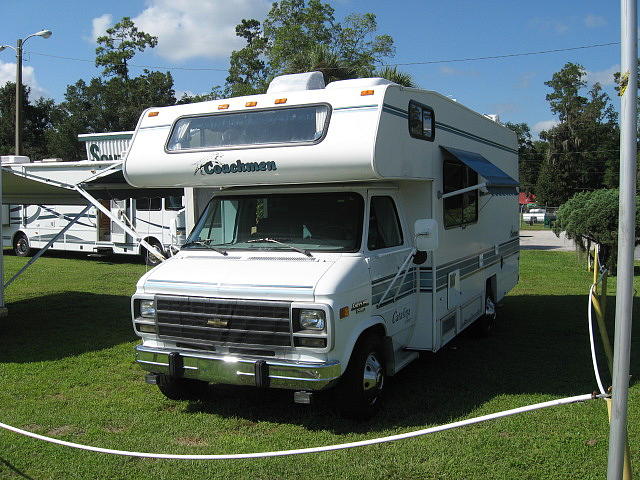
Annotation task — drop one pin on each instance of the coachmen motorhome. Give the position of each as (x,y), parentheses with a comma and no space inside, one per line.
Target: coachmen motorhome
(355,225)
(161,220)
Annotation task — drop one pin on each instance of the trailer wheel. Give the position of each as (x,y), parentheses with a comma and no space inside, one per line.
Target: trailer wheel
(150,259)
(360,391)
(486,324)
(21,245)
(182,388)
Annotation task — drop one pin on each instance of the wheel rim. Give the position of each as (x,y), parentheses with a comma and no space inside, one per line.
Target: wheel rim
(373,377)
(22,245)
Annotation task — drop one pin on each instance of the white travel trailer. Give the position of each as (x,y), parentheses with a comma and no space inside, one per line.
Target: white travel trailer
(161,221)
(356,225)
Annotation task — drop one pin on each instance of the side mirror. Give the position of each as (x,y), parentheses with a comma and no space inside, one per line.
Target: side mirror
(426,231)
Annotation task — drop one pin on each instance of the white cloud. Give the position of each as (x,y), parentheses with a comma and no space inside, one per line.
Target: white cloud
(544,125)
(524,81)
(188,29)
(549,25)
(8,74)
(594,21)
(603,77)
(99,25)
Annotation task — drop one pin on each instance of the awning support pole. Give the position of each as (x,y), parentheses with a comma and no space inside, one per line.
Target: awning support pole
(46,247)
(462,190)
(151,249)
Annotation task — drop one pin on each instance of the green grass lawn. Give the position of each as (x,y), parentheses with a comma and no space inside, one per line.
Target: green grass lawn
(535,226)
(67,370)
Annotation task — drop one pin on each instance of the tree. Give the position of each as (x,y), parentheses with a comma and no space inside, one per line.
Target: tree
(592,217)
(119,45)
(582,149)
(301,36)
(530,156)
(115,100)
(37,119)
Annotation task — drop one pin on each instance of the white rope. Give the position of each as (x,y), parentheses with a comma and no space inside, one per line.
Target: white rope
(327,448)
(594,360)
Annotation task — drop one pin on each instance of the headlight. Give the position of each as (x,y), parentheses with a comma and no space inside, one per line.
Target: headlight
(312,319)
(147,309)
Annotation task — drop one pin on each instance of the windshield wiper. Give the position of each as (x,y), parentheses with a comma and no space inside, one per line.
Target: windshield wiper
(206,245)
(300,250)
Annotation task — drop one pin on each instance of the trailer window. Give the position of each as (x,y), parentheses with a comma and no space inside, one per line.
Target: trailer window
(148,204)
(304,124)
(460,209)
(421,121)
(384,224)
(173,202)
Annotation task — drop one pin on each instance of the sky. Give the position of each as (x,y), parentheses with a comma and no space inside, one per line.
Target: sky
(195,38)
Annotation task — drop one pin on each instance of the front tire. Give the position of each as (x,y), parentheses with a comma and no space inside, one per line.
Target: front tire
(21,245)
(360,391)
(182,388)
(149,259)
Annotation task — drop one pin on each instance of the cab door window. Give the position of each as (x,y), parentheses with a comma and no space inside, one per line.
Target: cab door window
(384,224)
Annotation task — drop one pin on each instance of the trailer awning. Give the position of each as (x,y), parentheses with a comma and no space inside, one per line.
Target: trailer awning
(21,187)
(497,182)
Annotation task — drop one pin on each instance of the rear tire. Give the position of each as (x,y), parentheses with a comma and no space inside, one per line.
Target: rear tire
(182,388)
(149,259)
(21,245)
(486,324)
(359,394)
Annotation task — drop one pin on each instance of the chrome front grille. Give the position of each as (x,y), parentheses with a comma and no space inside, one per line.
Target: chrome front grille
(212,321)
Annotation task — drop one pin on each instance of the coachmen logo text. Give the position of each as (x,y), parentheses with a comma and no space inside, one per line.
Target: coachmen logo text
(213,167)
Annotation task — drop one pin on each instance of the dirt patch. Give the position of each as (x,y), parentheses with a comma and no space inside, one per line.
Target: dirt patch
(113,429)
(33,427)
(65,430)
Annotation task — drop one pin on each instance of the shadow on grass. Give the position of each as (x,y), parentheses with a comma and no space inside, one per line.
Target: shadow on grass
(52,327)
(14,471)
(109,258)
(540,347)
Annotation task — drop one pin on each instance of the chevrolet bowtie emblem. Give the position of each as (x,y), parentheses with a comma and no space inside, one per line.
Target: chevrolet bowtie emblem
(218,322)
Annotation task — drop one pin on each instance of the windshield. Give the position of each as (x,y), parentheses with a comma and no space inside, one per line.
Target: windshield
(307,221)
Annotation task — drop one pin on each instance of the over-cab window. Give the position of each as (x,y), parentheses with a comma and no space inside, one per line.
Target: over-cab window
(460,209)
(422,123)
(384,224)
(146,204)
(303,124)
(174,202)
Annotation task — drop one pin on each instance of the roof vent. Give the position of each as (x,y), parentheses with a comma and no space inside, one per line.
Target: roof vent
(297,81)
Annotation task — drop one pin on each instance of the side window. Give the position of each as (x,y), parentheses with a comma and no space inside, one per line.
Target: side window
(173,203)
(460,209)
(384,225)
(421,121)
(147,204)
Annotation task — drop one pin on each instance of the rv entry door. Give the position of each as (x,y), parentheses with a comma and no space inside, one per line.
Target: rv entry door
(119,208)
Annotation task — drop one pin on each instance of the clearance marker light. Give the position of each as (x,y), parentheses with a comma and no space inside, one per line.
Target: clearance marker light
(344,312)
(280,100)
(153,114)
(224,106)
(251,104)
(366,92)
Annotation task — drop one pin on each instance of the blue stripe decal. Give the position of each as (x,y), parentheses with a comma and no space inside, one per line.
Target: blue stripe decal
(231,284)
(155,126)
(356,107)
(471,136)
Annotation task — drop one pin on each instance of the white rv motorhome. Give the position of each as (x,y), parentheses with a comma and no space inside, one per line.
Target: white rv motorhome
(28,226)
(355,225)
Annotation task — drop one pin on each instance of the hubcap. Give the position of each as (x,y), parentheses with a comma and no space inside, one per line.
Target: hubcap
(373,375)
(22,245)
(490,308)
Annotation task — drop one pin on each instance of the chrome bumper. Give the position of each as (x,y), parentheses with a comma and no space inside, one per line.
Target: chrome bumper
(232,370)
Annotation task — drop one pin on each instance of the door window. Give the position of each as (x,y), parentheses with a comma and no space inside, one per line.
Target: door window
(384,224)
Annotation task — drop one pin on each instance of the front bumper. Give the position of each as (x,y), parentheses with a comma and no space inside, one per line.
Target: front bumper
(232,370)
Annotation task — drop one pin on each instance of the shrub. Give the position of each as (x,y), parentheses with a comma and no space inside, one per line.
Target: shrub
(592,217)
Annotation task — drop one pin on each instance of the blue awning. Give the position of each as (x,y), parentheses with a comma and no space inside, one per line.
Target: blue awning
(498,182)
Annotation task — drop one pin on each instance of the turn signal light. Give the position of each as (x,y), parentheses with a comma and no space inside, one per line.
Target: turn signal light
(344,312)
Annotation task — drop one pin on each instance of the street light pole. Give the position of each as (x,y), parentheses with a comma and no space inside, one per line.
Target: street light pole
(19,97)
(18,49)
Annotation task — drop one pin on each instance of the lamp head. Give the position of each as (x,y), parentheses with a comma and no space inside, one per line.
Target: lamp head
(43,33)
